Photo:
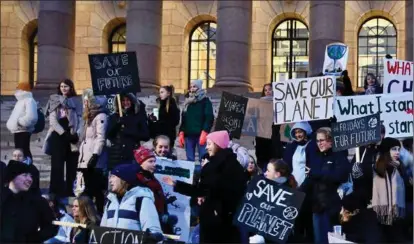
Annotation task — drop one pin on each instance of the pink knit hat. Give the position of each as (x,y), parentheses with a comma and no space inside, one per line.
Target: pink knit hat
(220,138)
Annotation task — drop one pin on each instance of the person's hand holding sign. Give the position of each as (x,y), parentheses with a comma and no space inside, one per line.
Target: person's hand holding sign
(168,180)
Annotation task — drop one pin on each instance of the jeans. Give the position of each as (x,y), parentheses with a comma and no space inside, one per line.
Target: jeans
(190,146)
(321,227)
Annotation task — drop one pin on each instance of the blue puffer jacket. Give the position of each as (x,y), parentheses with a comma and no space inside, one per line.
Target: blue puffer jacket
(124,214)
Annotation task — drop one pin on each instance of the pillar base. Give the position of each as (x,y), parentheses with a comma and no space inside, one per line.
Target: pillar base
(232,85)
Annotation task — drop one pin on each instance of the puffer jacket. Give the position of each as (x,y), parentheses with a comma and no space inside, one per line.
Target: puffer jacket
(124,214)
(24,115)
(242,154)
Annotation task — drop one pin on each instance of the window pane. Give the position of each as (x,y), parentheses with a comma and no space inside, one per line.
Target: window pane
(118,39)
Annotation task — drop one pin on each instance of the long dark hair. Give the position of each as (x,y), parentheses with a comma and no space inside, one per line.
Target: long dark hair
(68,82)
(170,99)
(366,81)
(348,91)
(283,168)
(264,87)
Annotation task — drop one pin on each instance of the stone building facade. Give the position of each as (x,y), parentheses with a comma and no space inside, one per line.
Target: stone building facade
(45,41)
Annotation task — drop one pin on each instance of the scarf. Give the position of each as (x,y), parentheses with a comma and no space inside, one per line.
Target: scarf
(199,95)
(388,196)
(73,109)
(148,179)
(371,90)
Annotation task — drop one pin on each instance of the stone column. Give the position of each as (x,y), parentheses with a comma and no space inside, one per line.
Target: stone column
(409,26)
(234,34)
(144,30)
(56,42)
(327,23)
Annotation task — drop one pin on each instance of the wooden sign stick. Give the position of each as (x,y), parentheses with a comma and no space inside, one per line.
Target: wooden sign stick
(357,156)
(118,98)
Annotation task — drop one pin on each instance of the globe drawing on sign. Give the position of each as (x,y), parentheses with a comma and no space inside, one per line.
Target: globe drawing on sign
(290,213)
(336,52)
(372,123)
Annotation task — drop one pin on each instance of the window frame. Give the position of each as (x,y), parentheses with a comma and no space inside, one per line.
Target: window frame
(113,32)
(32,46)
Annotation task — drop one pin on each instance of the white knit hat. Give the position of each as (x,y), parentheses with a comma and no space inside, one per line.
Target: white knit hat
(197,83)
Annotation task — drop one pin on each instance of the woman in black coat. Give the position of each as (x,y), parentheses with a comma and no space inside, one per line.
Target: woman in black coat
(168,118)
(126,133)
(222,185)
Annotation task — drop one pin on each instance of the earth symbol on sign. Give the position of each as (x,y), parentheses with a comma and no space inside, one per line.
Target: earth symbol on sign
(290,213)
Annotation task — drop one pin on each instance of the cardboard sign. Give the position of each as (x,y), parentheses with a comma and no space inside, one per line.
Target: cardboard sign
(336,58)
(114,73)
(258,120)
(357,132)
(396,111)
(303,99)
(398,76)
(269,209)
(231,114)
(178,205)
(104,235)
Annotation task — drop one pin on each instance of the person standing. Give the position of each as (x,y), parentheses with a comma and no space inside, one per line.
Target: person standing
(168,118)
(23,118)
(25,216)
(127,132)
(196,121)
(61,140)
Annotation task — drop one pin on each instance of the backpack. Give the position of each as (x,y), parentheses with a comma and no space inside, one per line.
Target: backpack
(40,124)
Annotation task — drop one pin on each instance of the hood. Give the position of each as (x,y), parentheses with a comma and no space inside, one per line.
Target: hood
(301,125)
(137,191)
(135,101)
(20,95)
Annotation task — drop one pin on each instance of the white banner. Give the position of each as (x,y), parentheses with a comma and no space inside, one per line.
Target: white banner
(398,76)
(303,99)
(182,171)
(396,111)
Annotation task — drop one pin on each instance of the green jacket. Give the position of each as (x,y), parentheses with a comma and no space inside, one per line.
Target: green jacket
(198,117)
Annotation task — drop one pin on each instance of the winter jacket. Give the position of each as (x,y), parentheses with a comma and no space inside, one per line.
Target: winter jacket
(148,179)
(23,118)
(25,218)
(63,235)
(125,134)
(198,117)
(328,170)
(267,149)
(167,121)
(242,154)
(124,214)
(222,184)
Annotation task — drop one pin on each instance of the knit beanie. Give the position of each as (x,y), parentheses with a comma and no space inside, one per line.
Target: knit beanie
(127,173)
(197,83)
(24,86)
(142,154)
(14,169)
(388,143)
(220,138)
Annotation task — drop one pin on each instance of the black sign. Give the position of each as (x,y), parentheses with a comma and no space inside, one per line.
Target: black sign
(231,114)
(269,209)
(104,235)
(356,132)
(114,72)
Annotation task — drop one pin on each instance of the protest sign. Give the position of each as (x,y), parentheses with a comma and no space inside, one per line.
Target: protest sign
(113,73)
(396,111)
(258,119)
(105,235)
(178,205)
(303,99)
(269,209)
(356,132)
(336,58)
(398,76)
(231,114)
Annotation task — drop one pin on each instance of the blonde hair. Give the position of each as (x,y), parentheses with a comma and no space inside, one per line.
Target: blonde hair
(326,131)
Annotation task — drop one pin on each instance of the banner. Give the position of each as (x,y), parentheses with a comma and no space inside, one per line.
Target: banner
(356,132)
(104,235)
(303,99)
(396,111)
(113,73)
(336,58)
(178,205)
(258,120)
(398,76)
(231,114)
(269,209)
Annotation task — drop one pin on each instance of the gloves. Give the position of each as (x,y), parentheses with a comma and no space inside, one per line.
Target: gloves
(152,117)
(93,161)
(203,138)
(72,138)
(152,237)
(256,239)
(181,139)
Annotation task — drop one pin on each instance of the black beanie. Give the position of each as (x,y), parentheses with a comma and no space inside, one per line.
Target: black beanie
(388,143)
(15,168)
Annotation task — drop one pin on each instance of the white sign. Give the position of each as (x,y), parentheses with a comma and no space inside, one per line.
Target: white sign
(303,99)
(336,58)
(396,111)
(398,76)
(182,171)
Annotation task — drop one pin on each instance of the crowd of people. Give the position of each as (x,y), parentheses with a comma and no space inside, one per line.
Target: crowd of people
(112,177)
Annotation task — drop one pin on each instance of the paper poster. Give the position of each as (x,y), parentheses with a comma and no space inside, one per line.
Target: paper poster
(258,120)
(398,76)
(336,58)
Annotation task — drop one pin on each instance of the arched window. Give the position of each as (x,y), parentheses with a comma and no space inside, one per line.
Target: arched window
(33,58)
(202,60)
(376,38)
(117,39)
(290,50)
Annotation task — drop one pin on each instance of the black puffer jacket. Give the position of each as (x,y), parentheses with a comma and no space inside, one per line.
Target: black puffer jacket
(167,122)
(223,184)
(25,218)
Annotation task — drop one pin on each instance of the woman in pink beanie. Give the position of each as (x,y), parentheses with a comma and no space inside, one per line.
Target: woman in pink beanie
(222,185)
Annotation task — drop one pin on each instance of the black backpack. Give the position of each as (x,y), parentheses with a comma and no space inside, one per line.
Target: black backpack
(40,124)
